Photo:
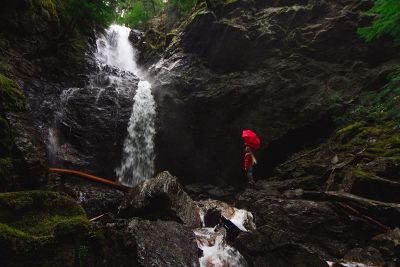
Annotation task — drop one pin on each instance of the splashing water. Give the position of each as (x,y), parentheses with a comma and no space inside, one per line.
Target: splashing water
(212,241)
(216,252)
(138,154)
(114,49)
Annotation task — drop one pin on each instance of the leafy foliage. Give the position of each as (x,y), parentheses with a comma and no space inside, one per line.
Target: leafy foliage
(83,14)
(383,104)
(387,21)
(183,6)
(136,13)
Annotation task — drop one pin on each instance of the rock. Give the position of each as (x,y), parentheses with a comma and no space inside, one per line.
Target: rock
(133,243)
(389,246)
(270,67)
(31,149)
(161,197)
(94,199)
(300,227)
(40,228)
(211,210)
(201,191)
(100,133)
(369,256)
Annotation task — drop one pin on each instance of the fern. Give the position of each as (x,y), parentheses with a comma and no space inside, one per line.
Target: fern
(386,22)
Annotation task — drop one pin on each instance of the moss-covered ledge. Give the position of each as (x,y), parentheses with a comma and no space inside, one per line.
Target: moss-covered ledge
(42,227)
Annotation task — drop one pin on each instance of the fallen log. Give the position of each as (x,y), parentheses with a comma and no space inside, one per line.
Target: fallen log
(90,178)
(386,214)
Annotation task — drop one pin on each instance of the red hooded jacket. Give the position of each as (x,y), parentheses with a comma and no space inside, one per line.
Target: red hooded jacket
(248,160)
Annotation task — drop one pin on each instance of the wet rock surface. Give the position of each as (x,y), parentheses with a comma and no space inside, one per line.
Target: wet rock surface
(133,243)
(161,197)
(96,200)
(31,149)
(85,126)
(317,225)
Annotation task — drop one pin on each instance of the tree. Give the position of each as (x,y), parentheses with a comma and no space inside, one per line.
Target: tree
(85,14)
(183,6)
(136,13)
(386,22)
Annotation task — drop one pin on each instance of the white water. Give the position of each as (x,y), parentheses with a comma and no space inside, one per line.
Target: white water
(216,251)
(114,49)
(349,264)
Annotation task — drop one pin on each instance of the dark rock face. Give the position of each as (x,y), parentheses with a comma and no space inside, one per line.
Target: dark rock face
(94,121)
(88,124)
(134,243)
(161,197)
(31,148)
(267,66)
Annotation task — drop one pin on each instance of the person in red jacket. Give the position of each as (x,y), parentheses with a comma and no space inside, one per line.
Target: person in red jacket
(249,161)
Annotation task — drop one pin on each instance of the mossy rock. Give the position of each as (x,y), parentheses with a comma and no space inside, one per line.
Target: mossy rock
(7,162)
(351,127)
(32,222)
(48,5)
(6,140)
(12,98)
(78,47)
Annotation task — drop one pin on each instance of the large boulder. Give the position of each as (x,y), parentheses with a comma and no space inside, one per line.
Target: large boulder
(161,197)
(40,228)
(143,243)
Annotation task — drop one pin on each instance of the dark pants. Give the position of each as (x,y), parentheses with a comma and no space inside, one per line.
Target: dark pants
(250,174)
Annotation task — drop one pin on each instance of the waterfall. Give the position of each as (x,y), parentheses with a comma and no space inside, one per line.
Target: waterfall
(114,49)
(138,155)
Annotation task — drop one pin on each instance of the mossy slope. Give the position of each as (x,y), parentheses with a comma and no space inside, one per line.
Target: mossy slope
(32,223)
(363,156)
(12,99)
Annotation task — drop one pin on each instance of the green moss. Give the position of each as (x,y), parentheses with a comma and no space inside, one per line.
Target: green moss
(228,2)
(6,172)
(49,5)
(12,97)
(351,127)
(357,172)
(19,242)
(31,219)
(78,47)
(5,67)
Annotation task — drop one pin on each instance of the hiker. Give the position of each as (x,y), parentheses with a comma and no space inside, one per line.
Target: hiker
(249,161)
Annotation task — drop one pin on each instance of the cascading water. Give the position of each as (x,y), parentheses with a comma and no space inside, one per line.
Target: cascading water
(212,241)
(138,154)
(114,49)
